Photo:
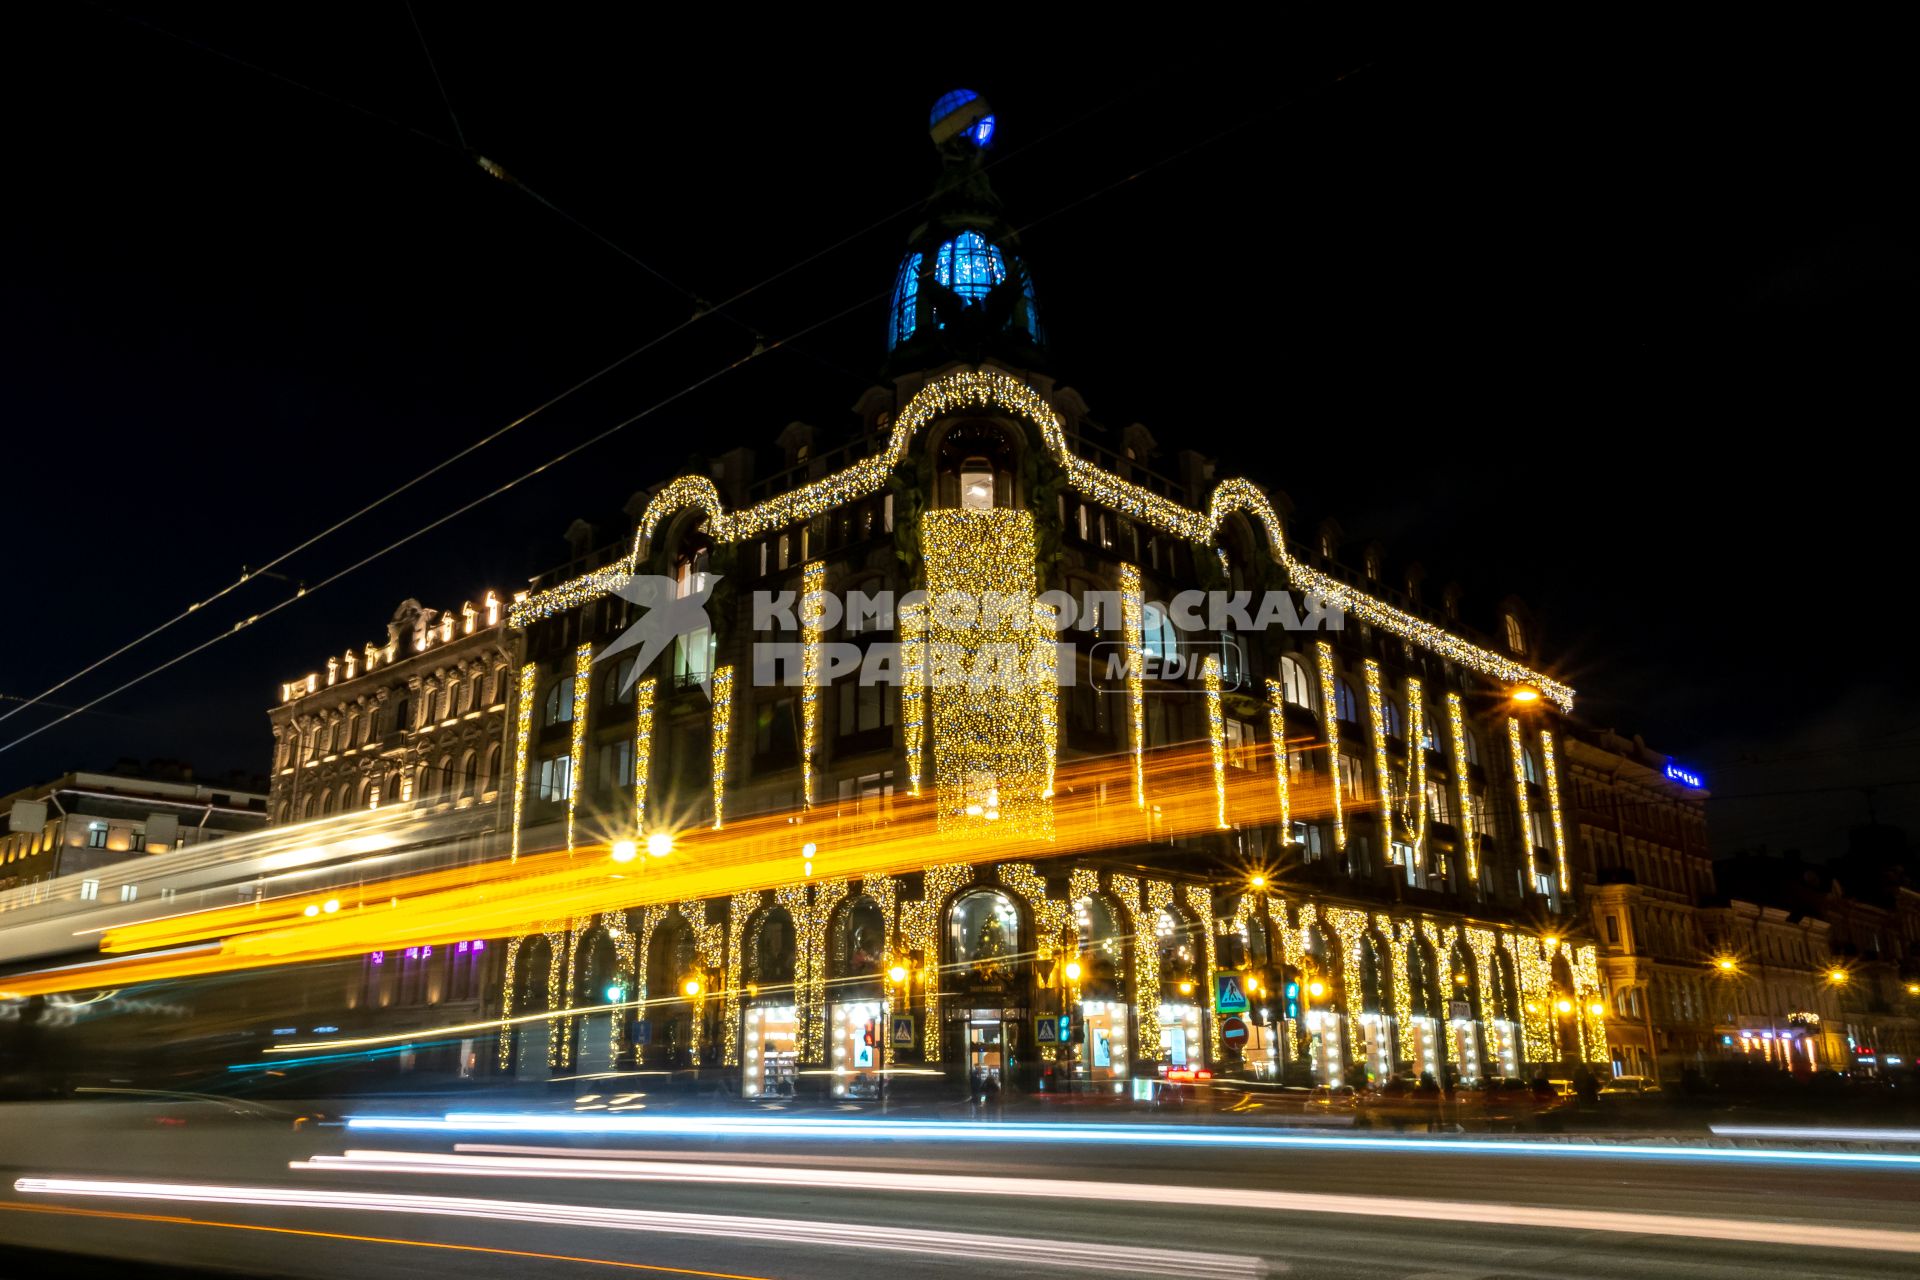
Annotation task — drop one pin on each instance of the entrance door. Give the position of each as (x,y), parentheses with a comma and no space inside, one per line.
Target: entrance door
(771,1057)
(986,1060)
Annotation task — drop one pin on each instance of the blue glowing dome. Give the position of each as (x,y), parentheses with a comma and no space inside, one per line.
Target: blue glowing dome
(975,117)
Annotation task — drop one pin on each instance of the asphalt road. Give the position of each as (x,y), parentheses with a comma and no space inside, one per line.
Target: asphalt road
(200,1190)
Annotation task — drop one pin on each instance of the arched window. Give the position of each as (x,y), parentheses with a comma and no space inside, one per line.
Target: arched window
(1473,747)
(559,707)
(983,930)
(1179,944)
(1516,634)
(1345,706)
(469,774)
(1294,685)
(326,801)
(440,781)
(969,266)
(1529,764)
(1429,728)
(975,465)
(490,775)
(1391,714)
(906,311)
(773,949)
(617,687)
(1102,950)
(860,943)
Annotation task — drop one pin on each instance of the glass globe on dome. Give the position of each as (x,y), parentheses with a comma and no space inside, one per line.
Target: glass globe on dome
(979,133)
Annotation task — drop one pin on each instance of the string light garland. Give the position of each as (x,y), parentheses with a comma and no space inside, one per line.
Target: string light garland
(1519,752)
(505,1054)
(740,909)
(1330,714)
(560,940)
(1053,921)
(642,752)
(913,691)
(1382,770)
(522,734)
(614,924)
(1216,738)
(1200,903)
(1277,731)
(577,746)
(1143,901)
(1132,614)
(993,673)
(1469,838)
(1553,806)
(920,931)
(813,584)
(884,890)
(1593,1018)
(722,734)
(1417,769)
(984,388)
(1532,962)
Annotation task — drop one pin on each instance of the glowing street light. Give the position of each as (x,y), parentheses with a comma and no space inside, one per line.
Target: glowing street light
(1837,976)
(1073,971)
(624,851)
(1258,881)
(898,973)
(1564,1006)
(1316,988)
(332,905)
(1525,693)
(659,845)
(691,987)
(1726,964)
(1596,1008)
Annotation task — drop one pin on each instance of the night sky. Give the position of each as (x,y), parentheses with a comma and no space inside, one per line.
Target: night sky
(1615,330)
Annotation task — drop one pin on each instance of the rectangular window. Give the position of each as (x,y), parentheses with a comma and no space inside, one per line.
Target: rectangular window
(1613,930)
(129,892)
(1439,807)
(616,765)
(1353,777)
(1239,741)
(886,513)
(556,778)
(96,835)
(693,657)
(89,890)
(864,707)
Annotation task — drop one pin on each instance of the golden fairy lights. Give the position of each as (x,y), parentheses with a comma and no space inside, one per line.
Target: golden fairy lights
(1382,770)
(813,592)
(1277,729)
(1463,821)
(577,746)
(1417,769)
(1552,771)
(642,751)
(1132,611)
(1519,752)
(978,388)
(993,673)
(722,733)
(522,732)
(1330,716)
(1216,736)
(913,690)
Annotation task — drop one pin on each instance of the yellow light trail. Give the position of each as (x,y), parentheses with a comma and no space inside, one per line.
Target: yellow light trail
(506,899)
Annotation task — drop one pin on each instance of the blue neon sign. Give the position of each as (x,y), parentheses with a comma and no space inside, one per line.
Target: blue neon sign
(1684,778)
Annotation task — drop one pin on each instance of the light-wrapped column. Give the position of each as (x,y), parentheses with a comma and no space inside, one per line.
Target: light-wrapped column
(1216,738)
(813,580)
(522,733)
(1132,643)
(1330,715)
(577,746)
(722,735)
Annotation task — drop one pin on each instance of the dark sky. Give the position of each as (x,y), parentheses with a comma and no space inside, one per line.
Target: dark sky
(1618,330)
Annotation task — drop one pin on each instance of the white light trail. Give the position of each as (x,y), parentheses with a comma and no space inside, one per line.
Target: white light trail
(1816,1135)
(1103,1258)
(590,1166)
(854,1129)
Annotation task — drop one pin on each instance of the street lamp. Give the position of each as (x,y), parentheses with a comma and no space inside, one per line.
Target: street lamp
(1838,977)
(624,851)
(659,844)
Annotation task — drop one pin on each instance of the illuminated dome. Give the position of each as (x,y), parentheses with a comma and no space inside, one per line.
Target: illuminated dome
(962,114)
(962,289)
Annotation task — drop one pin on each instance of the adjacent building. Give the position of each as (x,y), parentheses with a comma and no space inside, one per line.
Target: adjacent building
(84,821)
(421,713)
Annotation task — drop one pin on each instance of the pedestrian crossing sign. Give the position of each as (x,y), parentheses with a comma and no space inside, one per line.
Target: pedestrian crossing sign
(1229,993)
(903,1031)
(1047,1030)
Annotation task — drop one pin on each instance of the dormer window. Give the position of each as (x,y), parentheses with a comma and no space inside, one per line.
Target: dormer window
(975,462)
(1516,634)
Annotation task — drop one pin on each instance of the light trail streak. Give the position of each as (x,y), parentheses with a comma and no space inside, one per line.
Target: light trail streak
(176,1220)
(501,899)
(613,1168)
(1809,1134)
(855,1129)
(1100,1257)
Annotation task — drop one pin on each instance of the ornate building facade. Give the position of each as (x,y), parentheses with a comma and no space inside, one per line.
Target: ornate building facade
(1177,828)
(421,714)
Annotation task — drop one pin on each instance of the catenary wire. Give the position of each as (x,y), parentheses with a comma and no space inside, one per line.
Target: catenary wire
(757,352)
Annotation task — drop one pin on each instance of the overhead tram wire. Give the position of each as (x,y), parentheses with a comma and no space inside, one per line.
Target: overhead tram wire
(756,353)
(493,170)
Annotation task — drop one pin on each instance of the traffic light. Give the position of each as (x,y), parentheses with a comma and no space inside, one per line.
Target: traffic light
(1293,997)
